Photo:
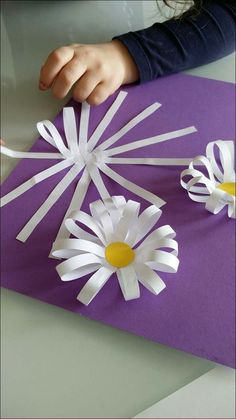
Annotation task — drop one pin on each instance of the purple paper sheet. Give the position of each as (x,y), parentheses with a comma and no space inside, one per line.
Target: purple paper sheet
(196,311)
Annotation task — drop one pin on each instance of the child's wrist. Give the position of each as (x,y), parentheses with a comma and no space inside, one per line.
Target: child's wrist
(131,73)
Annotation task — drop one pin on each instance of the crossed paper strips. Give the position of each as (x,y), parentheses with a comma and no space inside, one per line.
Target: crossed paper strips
(118,230)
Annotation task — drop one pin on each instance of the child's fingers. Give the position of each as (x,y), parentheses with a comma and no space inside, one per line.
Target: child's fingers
(86,85)
(53,65)
(99,94)
(67,77)
(2,142)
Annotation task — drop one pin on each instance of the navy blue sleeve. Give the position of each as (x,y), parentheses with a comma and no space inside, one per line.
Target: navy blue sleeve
(187,42)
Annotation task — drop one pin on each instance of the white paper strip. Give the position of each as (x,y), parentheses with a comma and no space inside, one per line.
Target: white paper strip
(76,202)
(45,174)
(50,133)
(127,184)
(128,281)
(98,182)
(149,161)
(95,137)
(94,285)
(131,124)
(150,279)
(26,154)
(149,141)
(50,201)
(83,127)
(70,129)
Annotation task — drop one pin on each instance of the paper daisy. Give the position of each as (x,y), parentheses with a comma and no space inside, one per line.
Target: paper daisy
(119,244)
(214,183)
(83,159)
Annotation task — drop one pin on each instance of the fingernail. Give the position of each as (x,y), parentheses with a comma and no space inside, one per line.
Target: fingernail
(42,86)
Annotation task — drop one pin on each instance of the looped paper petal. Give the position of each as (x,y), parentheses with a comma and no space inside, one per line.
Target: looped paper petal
(85,161)
(213,185)
(109,248)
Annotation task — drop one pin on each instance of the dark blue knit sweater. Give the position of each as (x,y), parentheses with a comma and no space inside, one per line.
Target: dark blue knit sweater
(187,42)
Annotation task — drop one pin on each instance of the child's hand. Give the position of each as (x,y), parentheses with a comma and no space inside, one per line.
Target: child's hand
(94,71)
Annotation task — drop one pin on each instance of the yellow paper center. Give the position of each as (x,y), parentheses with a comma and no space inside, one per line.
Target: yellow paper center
(119,254)
(228,187)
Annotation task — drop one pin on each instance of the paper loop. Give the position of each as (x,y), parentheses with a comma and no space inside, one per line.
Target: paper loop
(223,171)
(150,279)
(78,266)
(94,285)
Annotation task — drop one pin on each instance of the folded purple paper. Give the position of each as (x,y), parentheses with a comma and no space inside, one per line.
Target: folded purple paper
(196,311)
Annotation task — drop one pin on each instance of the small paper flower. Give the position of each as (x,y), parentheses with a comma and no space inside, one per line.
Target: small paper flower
(216,187)
(117,245)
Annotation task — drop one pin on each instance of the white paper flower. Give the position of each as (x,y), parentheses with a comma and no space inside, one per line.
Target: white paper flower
(117,245)
(214,184)
(85,160)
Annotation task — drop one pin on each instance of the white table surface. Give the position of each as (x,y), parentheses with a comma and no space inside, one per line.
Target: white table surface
(210,396)
(56,364)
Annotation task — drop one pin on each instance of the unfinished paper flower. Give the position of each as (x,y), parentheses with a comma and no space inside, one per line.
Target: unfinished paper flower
(117,245)
(81,154)
(216,188)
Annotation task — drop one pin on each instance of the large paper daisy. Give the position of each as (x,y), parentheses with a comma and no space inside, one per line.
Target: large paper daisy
(119,243)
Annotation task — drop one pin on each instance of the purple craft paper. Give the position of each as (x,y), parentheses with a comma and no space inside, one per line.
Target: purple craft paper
(195,313)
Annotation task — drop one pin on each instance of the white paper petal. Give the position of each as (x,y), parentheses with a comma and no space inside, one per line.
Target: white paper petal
(162,261)
(149,279)
(226,149)
(78,266)
(87,221)
(66,248)
(146,222)
(156,236)
(129,216)
(94,285)
(217,201)
(128,281)
(115,206)
(202,160)
(102,216)
(231,209)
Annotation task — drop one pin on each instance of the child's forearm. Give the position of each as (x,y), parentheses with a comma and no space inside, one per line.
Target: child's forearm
(187,42)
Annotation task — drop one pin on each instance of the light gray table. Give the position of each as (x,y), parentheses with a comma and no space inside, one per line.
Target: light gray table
(56,364)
